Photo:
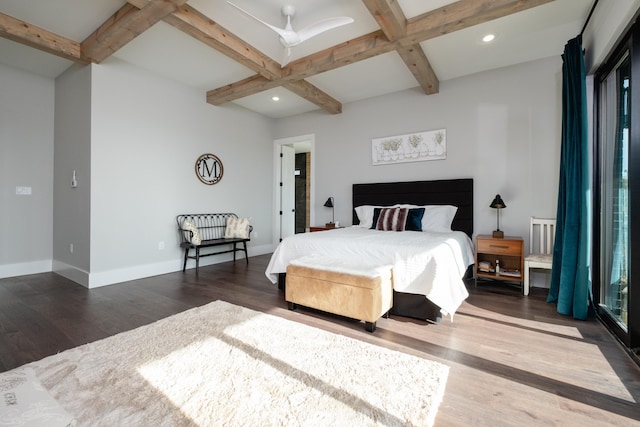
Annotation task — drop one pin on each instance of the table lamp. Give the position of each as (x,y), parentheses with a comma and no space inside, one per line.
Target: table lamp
(498,204)
(329,204)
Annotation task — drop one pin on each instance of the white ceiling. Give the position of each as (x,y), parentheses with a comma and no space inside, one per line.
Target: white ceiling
(532,34)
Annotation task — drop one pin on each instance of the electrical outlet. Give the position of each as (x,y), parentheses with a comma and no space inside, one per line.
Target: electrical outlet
(160,246)
(255,234)
(71,248)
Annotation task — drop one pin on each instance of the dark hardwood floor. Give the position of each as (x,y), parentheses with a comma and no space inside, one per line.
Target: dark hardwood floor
(513,360)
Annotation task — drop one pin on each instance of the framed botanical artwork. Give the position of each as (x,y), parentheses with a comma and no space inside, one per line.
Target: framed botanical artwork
(412,147)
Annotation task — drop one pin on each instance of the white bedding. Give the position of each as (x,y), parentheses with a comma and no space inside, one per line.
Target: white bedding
(430,264)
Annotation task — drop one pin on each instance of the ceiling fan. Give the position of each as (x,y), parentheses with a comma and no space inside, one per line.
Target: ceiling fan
(290,38)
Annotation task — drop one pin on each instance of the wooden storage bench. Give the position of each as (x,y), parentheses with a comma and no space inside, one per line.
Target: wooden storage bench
(211,229)
(344,287)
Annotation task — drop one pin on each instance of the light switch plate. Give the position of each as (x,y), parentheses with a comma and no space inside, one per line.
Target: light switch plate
(23,191)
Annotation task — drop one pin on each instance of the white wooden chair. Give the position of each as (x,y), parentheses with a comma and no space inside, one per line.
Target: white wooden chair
(541,236)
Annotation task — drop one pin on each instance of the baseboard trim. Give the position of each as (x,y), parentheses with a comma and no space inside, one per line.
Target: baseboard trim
(72,273)
(120,275)
(110,277)
(24,268)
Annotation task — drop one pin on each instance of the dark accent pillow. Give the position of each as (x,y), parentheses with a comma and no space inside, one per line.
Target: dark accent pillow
(414,219)
(392,219)
(376,215)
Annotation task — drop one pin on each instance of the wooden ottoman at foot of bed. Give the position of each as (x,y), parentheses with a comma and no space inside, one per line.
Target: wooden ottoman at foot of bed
(345,287)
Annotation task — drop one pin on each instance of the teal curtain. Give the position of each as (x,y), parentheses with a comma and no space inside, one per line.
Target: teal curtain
(570,286)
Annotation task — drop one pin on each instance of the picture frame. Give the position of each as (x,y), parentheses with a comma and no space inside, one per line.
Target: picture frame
(411,147)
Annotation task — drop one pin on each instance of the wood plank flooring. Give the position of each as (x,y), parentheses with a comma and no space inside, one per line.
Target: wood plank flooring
(513,360)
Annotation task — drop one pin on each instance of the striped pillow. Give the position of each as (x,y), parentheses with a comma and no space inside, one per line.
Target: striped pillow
(392,219)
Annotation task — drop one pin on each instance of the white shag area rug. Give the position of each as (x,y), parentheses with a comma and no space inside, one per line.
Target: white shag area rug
(226,365)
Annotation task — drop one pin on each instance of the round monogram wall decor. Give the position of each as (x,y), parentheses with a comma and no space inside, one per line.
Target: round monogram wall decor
(209,169)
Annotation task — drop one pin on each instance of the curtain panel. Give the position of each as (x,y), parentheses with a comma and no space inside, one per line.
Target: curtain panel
(570,286)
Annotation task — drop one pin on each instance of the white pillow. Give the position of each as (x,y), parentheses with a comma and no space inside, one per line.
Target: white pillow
(190,226)
(365,215)
(436,218)
(25,402)
(237,228)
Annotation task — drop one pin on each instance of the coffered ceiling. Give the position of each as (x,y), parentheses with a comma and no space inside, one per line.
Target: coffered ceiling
(213,47)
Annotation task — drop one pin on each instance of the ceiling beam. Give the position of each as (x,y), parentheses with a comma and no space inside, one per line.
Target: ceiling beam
(460,15)
(306,90)
(135,17)
(349,52)
(393,23)
(39,38)
(389,17)
(454,17)
(397,33)
(419,65)
(249,86)
(197,25)
(125,25)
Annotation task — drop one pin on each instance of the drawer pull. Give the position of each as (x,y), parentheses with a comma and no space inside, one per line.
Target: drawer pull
(500,246)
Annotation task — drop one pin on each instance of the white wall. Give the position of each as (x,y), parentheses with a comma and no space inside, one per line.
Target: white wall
(146,135)
(608,22)
(26,159)
(71,213)
(503,130)
(133,139)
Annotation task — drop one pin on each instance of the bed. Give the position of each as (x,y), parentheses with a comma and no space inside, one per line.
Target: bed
(428,267)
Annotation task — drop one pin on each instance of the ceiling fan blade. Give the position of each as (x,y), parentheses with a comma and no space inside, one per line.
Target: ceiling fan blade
(322,26)
(283,33)
(286,57)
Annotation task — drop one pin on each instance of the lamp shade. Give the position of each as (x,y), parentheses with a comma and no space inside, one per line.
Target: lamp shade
(329,203)
(497,203)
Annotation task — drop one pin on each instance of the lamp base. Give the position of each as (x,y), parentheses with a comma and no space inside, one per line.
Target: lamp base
(330,225)
(498,234)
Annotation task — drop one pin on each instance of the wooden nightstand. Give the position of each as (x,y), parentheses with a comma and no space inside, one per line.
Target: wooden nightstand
(509,251)
(321,228)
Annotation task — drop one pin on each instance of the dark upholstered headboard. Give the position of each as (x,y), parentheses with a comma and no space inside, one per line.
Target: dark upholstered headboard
(456,192)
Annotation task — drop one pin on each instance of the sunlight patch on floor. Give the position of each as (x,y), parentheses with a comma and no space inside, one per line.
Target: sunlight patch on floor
(568,331)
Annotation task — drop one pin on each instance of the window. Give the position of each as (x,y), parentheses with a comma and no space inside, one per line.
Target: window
(616,174)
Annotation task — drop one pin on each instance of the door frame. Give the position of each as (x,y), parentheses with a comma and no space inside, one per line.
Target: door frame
(310,139)
(631,336)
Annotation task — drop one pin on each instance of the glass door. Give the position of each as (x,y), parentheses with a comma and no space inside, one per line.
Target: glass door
(614,196)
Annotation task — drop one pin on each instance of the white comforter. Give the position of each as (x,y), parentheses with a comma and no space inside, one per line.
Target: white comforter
(430,264)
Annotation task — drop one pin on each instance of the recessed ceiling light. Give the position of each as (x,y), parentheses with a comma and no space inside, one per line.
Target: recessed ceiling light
(275,98)
(488,38)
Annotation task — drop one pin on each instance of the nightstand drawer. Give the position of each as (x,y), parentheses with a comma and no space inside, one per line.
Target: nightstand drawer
(499,246)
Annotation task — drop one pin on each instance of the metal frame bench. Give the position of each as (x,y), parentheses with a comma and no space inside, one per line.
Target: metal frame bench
(211,228)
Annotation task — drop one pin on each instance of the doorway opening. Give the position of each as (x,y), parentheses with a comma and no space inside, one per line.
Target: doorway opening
(293,187)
